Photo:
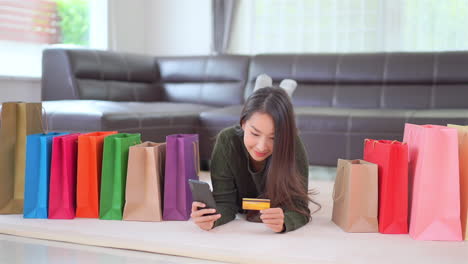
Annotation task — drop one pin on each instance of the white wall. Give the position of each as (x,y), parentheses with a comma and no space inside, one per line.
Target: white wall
(160,27)
(179,27)
(20,89)
(127,22)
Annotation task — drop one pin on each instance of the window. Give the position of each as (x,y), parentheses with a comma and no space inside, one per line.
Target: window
(435,25)
(29,26)
(306,26)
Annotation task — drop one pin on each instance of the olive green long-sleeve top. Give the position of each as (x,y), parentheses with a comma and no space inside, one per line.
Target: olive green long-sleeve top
(233,178)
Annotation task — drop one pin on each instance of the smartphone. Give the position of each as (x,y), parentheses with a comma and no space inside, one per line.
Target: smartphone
(201,193)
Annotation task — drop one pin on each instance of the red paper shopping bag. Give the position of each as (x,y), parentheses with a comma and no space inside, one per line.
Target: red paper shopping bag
(392,160)
(62,185)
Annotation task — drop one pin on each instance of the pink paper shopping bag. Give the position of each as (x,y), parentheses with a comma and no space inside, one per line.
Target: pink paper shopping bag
(62,188)
(433,182)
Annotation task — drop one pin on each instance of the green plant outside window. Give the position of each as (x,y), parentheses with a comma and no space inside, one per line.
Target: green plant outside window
(74,21)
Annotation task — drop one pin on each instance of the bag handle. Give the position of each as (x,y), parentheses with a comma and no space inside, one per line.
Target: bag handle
(376,141)
(403,143)
(46,131)
(196,152)
(334,185)
(149,158)
(371,140)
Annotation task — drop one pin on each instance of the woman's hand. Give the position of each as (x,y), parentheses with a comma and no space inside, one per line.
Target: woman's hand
(273,218)
(202,221)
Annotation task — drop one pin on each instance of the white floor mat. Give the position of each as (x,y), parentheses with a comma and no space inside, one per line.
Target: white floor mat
(243,242)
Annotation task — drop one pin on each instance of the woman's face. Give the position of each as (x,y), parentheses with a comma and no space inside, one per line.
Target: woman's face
(259,134)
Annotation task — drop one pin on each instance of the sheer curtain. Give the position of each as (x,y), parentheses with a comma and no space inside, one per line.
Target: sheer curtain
(309,26)
(223,12)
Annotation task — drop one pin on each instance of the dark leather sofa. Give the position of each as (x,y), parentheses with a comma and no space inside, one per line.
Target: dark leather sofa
(341,99)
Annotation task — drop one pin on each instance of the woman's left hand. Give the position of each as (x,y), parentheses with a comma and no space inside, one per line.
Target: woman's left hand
(273,218)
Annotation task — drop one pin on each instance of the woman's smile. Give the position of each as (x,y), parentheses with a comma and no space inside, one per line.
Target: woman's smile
(260,154)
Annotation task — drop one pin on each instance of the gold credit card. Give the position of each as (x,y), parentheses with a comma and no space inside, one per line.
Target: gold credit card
(255,204)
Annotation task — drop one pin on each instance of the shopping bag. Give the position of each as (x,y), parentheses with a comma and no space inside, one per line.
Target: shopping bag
(355,196)
(463,163)
(145,173)
(88,185)
(391,158)
(433,182)
(36,188)
(182,164)
(62,184)
(17,121)
(114,174)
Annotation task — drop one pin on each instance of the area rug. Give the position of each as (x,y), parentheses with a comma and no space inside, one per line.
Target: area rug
(321,241)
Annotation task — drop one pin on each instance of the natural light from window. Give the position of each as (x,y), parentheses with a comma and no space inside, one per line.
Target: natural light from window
(317,26)
(27,27)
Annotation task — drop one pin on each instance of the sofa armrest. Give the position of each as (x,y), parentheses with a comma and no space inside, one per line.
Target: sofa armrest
(57,78)
(99,75)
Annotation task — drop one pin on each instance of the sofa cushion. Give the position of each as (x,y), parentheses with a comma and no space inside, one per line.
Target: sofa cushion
(213,121)
(421,80)
(330,133)
(440,117)
(211,80)
(350,120)
(154,120)
(221,117)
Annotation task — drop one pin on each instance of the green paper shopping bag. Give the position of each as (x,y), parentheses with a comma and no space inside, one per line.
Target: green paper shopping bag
(114,173)
(18,120)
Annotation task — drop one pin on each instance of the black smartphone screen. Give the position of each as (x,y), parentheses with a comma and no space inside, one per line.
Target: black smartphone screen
(201,193)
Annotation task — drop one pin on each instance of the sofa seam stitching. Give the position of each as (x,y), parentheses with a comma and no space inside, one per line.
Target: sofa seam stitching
(336,83)
(384,82)
(435,71)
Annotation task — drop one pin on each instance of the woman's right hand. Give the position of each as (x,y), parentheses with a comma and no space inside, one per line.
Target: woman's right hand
(202,221)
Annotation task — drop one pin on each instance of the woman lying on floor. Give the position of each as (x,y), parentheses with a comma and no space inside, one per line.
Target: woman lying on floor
(263,157)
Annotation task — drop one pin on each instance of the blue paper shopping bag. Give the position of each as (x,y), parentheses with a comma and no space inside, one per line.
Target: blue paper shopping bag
(36,186)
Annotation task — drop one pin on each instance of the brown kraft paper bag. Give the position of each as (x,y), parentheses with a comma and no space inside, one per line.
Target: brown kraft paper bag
(143,194)
(18,119)
(355,196)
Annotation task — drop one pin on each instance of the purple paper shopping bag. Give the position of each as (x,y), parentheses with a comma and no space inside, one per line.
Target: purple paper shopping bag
(182,164)
(62,185)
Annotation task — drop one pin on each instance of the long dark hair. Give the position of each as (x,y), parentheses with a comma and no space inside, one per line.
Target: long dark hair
(284,184)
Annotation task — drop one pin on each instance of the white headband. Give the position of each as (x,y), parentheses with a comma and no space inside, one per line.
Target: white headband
(264,80)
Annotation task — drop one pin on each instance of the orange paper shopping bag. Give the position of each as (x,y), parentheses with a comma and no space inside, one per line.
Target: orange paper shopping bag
(89,173)
(463,156)
(433,182)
